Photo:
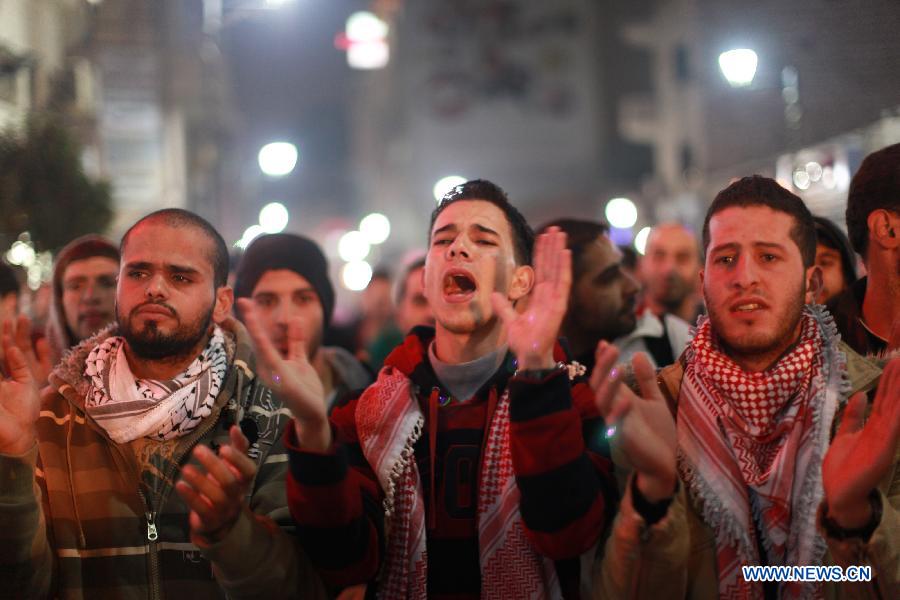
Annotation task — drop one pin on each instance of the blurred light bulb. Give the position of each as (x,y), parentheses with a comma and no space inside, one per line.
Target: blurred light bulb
(356,275)
(739,66)
(250,234)
(445,184)
(353,246)
(278,158)
(363,26)
(375,227)
(621,213)
(273,217)
(640,240)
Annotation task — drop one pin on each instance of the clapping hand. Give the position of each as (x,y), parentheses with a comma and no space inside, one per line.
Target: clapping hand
(860,455)
(643,426)
(215,493)
(533,332)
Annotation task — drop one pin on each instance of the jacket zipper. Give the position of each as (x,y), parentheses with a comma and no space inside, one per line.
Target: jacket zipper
(152,536)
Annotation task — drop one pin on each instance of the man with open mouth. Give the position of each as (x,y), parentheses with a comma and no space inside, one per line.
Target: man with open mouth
(463,471)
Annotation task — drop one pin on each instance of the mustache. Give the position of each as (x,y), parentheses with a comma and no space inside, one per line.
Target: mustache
(171,310)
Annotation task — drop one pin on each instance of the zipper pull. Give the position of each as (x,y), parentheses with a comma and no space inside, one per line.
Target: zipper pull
(152,535)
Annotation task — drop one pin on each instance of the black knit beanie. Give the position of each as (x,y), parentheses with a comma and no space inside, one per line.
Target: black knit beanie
(285,251)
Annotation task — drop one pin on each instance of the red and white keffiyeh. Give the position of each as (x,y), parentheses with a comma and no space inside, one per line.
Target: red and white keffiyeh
(389,421)
(751,447)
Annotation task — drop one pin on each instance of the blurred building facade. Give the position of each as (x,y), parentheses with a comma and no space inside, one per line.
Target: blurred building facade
(826,92)
(140,84)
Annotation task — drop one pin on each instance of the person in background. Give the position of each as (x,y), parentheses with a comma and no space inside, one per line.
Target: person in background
(286,277)
(411,309)
(84,292)
(868,313)
(836,259)
(670,272)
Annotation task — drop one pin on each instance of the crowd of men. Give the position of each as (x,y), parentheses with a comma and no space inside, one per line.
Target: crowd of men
(542,420)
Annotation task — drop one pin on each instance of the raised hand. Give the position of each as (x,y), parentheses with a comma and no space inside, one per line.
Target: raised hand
(19,402)
(293,378)
(37,355)
(215,494)
(533,333)
(644,428)
(860,456)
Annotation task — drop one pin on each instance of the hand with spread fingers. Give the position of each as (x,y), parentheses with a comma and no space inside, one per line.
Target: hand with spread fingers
(36,354)
(215,493)
(19,401)
(644,428)
(862,451)
(293,378)
(533,332)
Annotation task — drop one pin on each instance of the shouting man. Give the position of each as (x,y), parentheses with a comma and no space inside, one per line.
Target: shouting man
(439,474)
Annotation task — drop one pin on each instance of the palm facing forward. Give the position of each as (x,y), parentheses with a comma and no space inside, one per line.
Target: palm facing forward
(533,332)
(19,402)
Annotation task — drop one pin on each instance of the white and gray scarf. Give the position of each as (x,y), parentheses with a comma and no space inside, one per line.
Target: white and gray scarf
(128,408)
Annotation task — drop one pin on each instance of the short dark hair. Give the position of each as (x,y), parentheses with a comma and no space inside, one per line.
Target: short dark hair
(875,186)
(9,283)
(757,190)
(829,235)
(482,189)
(579,234)
(178,218)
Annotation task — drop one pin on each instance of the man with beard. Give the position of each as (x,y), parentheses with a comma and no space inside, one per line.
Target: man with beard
(669,273)
(286,276)
(602,297)
(84,292)
(439,476)
(87,469)
(755,396)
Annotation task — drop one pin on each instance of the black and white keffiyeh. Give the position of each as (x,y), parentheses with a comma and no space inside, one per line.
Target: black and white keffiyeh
(128,408)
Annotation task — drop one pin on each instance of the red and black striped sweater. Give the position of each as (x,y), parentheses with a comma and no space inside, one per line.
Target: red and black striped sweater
(563,473)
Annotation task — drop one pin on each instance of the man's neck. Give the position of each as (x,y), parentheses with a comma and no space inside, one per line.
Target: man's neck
(757,362)
(456,348)
(580,341)
(881,305)
(164,368)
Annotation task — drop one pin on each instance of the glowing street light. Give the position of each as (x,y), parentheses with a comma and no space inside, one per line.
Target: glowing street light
(365,40)
(445,184)
(250,234)
(375,227)
(738,66)
(356,275)
(640,240)
(273,217)
(353,246)
(621,213)
(278,158)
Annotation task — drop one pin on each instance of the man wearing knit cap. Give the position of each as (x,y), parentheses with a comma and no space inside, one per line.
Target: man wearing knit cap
(286,276)
(84,292)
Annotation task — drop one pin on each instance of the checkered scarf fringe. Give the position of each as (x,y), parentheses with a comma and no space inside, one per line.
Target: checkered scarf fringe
(710,462)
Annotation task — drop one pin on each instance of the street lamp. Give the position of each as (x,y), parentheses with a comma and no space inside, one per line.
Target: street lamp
(738,66)
(273,217)
(277,158)
(621,213)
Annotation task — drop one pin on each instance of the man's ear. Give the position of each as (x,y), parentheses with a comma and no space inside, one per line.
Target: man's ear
(815,283)
(224,302)
(702,273)
(884,228)
(522,282)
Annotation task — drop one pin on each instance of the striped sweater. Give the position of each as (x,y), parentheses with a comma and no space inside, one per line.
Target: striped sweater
(82,516)
(566,485)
